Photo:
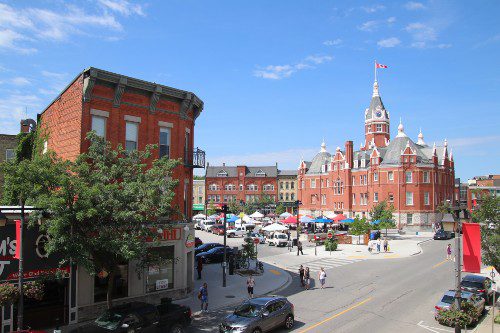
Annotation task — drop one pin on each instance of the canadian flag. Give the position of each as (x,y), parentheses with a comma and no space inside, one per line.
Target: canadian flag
(377,65)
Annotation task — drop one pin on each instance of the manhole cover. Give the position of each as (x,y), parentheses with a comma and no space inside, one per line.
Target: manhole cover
(230,296)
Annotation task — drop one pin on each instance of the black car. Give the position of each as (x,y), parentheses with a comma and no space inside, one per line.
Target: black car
(214,255)
(479,285)
(206,247)
(140,317)
(441,234)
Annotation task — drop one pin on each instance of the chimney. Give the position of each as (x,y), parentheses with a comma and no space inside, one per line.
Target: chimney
(349,154)
(28,125)
(224,164)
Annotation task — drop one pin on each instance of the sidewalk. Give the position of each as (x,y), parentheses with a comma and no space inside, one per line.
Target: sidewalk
(274,278)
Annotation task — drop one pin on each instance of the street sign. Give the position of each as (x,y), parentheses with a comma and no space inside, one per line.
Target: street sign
(256,241)
(330,235)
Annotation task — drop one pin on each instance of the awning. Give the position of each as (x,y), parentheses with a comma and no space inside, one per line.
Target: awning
(340,217)
(306,219)
(198,207)
(322,220)
(290,220)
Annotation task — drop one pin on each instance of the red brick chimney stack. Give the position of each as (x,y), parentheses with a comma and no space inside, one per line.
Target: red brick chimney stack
(349,153)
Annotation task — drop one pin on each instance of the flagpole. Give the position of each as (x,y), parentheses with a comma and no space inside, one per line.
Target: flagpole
(375,65)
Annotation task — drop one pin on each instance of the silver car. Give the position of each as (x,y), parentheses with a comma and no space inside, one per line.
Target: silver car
(258,315)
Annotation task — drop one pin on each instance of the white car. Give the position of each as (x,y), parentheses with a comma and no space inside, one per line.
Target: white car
(237,232)
(278,239)
(205,225)
(261,238)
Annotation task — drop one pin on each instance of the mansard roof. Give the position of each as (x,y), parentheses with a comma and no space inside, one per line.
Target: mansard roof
(322,158)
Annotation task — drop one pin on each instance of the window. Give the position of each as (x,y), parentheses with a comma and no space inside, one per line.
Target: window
(252,187)
(356,164)
(335,167)
(161,277)
(375,197)
(313,183)
(10,154)
(200,190)
(391,197)
(338,187)
(281,185)
(241,187)
(217,198)
(230,187)
(354,199)
(426,177)
(222,173)
(408,177)
(426,198)
(268,187)
(379,127)
(225,198)
(409,198)
(365,179)
(120,287)
(187,146)
(287,196)
(164,142)
(292,196)
(363,163)
(213,187)
(328,183)
(131,133)
(375,177)
(409,219)
(99,126)
(281,196)
(292,185)
(390,176)
(287,185)
(303,184)
(323,199)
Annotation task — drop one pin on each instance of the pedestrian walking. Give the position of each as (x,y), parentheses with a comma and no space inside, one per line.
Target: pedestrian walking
(203,297)
(199,267)
(448,252)
(386,245)
(299,244)
(301,275)
(250,286)
(379,243)
(307,278)
(322,277)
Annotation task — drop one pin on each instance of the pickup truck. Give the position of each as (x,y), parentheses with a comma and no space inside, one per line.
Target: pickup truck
(236,232)
(140,317)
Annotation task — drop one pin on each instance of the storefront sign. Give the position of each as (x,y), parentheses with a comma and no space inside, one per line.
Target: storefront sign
(190,241)
(161,284)
(36,261)
(167,234)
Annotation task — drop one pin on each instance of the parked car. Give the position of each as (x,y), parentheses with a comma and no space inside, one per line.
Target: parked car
(260,237)
(206,247)
(197,241)
(214,255)
(205,225)
(217,229)
(260,314)
(236,232)
(479,285)
(278,239)
(140,317)
(449,298)
(441,234)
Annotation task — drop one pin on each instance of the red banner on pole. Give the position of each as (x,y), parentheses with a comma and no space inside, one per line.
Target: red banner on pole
(472,247)
(18,239)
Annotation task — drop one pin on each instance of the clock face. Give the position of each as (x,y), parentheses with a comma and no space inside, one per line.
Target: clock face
(378,114)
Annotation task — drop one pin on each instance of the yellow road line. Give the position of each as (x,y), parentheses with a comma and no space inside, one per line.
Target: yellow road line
(336,315)
(439,264)
(275,272)
(391,256)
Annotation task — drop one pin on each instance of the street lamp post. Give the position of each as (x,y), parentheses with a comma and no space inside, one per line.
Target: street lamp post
(297,204)
(224,261)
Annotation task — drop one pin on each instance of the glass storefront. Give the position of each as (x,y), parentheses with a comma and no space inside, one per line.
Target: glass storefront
(161,277)
(120,288)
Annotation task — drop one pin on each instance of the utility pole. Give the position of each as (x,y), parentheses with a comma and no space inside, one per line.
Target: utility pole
(297,204)
(458,260)
(224,261)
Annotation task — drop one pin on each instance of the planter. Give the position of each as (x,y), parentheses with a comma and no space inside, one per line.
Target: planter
(8,294)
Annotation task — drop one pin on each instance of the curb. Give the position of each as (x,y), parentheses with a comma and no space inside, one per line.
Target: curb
(418,244)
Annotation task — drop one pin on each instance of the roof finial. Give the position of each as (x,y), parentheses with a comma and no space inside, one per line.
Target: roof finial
(451,154)
(421,138)
(445,143)
(375,89)
(401,129)
(323,147)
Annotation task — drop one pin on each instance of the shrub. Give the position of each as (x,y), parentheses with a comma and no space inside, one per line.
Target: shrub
(8,293)
(464,317)
(331,245)
(34,290)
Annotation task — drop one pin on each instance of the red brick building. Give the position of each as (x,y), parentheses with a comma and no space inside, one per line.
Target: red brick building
(413,177)
(224,184)
(130,112)
(481,185)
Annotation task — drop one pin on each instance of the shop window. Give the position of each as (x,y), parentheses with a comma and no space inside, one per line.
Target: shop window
(120,287)
(131,134)
(99,126)
(161,277)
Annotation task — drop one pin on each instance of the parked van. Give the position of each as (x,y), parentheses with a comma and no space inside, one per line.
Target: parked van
(205,225)
(278,239)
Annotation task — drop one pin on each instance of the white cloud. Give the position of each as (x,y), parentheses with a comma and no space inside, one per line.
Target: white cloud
(412,5)
(333,42)
(20,81)
(13,109)
(373,25)
(10,40)
(423,35)
(473,141)
(123,7)
(277,72)
(373,9)
(389,42)
(53,75)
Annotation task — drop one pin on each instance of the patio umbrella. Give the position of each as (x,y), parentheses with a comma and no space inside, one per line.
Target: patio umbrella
(339,217)
(290,220)
(322,220)
(306,219)
(275,227)
(257,215)
(331,215)
(285,215)
(347,221)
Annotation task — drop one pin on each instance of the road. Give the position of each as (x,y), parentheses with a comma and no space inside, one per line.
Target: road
(390,295)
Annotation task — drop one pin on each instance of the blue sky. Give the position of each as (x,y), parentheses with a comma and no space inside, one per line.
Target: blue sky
(276,76)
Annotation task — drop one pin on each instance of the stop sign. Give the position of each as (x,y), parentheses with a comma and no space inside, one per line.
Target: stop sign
(330,235)
(256,241)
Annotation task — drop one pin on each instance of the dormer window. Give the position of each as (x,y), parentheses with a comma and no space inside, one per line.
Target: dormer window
(260,173)
(363,163)
(222,173)
(323,168)
(356,164)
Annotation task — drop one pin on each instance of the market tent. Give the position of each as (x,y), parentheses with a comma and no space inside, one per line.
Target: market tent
(285,215)
(247,222)
(257,215)
(306,219)
(322,220)
(271,215)
(340,217)
(330,215)
(275,227)
(375,222)
(232,219)
(347,221)
(290,220)
(199,216)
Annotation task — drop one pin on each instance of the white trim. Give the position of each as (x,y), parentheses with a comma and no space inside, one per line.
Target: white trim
(132,119)
(188,130)
(99,113)
(165,124)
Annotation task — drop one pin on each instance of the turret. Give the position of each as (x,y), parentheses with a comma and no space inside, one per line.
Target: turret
(377,131)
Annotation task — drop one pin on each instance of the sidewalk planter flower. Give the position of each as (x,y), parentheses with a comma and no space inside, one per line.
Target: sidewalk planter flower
(8,293)
(465,317)
(34,290)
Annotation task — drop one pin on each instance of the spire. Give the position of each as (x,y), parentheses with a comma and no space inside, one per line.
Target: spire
(401,130)
(323,147)
(434,150)
(451,154)
(421,138)
(375,89)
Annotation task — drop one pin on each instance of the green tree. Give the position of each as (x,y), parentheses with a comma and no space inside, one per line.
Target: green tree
(106,206)
(488,215)
(383,213)
(280,209)
(359,227)
(248,250)
(235,207)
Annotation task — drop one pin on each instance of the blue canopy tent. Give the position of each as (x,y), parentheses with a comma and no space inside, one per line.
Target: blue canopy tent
(347,221)
(322,220)
(232,219)
(375,222)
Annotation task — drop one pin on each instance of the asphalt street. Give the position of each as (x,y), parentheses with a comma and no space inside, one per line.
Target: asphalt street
(390,295)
